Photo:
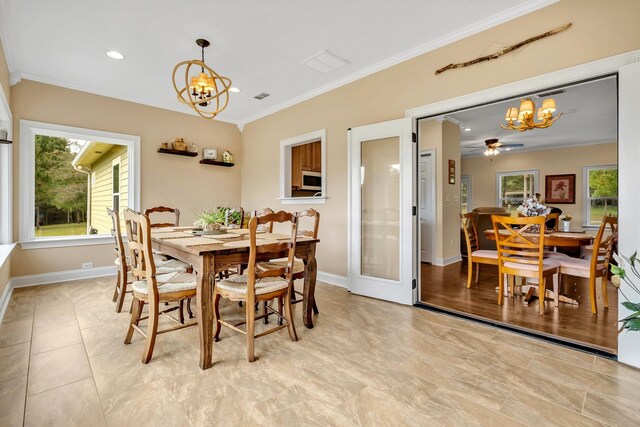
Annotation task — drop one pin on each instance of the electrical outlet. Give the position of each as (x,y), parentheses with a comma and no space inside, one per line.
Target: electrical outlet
(87,265)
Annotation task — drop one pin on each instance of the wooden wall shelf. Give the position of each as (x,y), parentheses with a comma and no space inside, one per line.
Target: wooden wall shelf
(216,163)
(177,152)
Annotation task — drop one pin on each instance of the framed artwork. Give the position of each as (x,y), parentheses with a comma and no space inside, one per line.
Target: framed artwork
(560,189)
(452,171)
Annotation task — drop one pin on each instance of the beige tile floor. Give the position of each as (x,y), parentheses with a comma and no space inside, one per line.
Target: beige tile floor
(367,362)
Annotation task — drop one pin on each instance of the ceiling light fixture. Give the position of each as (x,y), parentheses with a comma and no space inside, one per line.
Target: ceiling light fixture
(494,147)
(467,129)
(207,92)
(234,90)
(114,54)
(528,116)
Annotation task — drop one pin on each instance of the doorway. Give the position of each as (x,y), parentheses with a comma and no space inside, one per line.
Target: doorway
(582,138)
(427,203)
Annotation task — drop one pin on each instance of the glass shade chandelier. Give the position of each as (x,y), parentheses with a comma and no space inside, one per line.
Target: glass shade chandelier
(206,92)
(528,116)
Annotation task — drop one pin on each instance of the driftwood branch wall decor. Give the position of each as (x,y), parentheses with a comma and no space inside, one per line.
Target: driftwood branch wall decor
(504,50)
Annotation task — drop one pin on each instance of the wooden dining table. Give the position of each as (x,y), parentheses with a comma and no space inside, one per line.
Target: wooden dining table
(210,259)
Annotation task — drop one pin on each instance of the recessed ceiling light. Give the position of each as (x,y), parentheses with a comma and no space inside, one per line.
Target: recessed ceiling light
(234,89)
(467,129)
(114,54)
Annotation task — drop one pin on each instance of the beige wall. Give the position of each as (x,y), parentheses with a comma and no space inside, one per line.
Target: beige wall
(4,75)
(165,179)
(599,30)
(548,162)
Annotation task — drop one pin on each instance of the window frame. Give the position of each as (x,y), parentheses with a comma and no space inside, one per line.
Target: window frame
(499,175)
(466,179)
(285,168)
(586,200)
(6,175)
(28,131)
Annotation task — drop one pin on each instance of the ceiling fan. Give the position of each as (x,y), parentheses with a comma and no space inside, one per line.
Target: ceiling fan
(493,147)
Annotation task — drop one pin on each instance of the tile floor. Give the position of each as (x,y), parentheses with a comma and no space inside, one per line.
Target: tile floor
(367,362)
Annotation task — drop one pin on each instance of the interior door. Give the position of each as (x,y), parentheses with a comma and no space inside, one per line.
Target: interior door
(382,220)
(427,206)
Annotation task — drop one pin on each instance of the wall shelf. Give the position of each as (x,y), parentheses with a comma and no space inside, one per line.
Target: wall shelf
(216,163)
(177,152)
(5,141)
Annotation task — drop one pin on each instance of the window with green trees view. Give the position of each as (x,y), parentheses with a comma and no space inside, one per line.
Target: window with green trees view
(601,198)
(513,188)
(60,190)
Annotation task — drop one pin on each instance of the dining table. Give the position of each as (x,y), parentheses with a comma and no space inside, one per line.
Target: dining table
(563,239)
(215,253)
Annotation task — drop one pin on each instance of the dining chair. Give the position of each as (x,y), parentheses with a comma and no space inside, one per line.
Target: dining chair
(597,267)
(520,242)
(163,265)
(298,265)
(153,288)
(267,227)
(261,285)
(163,209)
(474,254)
(234,217)
(552,220)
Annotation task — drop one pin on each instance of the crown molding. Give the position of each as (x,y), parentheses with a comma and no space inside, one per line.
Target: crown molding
(485,24)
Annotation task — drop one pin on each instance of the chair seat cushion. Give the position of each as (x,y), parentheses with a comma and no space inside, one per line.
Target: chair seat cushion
(578,264)
(167,283)
(238,285)
(548,264)
(171,266)
(485,253)
(156,257)
(298,266)
(552,254)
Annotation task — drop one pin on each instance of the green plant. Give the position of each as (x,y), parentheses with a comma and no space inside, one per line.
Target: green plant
(621,275)
(207,217)
(566,218)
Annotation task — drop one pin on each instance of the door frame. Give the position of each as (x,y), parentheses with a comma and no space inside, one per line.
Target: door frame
(434,201)
(628,134)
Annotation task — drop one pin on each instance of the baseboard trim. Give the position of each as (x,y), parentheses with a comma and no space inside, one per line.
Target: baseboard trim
(333,279)
(442,262)
(6,297)
(62,276)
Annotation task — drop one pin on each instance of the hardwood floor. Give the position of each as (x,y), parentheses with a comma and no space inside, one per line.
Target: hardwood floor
(446,287)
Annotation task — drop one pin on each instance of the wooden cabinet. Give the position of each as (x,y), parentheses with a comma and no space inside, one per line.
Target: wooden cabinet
(305,157)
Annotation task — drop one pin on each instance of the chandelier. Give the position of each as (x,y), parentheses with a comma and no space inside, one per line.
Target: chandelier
(206,92)
(528,116)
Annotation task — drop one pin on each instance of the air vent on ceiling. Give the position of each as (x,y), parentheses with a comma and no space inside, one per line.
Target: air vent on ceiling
(325,62)
(261,96)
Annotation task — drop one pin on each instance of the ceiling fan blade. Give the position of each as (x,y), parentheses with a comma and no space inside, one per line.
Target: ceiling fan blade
(511,145)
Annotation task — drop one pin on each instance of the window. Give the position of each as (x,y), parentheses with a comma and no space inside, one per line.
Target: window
(513,188)
(465,194)
(303,169)
(6,153)
(601,193)
(68,177)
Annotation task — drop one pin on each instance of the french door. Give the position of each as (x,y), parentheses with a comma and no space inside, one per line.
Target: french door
(382,212)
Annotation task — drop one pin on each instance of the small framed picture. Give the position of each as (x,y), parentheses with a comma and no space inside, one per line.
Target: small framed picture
(210,153)
(560,189)
(452,171)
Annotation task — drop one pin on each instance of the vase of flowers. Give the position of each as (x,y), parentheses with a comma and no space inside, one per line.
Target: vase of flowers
(566,222)
(627,272)
(532,207)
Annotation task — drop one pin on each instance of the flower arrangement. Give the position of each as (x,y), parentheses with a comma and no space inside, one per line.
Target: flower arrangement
(621,274)
(566,218)
(532,207)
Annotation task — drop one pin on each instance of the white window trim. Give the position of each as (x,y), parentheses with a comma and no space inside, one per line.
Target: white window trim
(534,172)
(285,168)
(6,175)
(586,206)
(28,131)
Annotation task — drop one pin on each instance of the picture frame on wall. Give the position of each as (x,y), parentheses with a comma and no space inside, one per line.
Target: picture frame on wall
(560,189)
(452,171)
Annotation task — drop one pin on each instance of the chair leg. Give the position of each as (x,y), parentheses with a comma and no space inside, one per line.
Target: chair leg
(265,312)
(216,315)
(542,292)
(477,273)
(280,308)
(152,331)
(189,308)
(117,289)
(251,327)
(315,307)
(500,288)
(605,297)
(181,311)
(592,295)
(136,305)
(512,280)
(287,313)
(469,272)
(556,289)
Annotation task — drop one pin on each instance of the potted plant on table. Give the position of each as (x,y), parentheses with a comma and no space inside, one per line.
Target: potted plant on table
(211,221)
(626,272)
(566,222)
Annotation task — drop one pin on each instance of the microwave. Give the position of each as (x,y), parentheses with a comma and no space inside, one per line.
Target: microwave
(311,181)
